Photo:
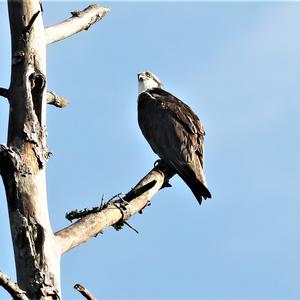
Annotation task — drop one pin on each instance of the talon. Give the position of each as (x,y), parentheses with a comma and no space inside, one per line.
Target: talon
(166,185)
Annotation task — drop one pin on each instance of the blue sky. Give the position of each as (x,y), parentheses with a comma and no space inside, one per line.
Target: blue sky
(238,66)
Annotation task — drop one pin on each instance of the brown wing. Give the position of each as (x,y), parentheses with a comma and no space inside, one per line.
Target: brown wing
(176,134)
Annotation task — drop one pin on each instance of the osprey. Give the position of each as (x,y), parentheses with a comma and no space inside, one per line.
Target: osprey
(173,131)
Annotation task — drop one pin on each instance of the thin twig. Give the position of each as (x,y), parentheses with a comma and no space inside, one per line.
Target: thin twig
(84,292)
(80,213)
(131,227)
(12,288)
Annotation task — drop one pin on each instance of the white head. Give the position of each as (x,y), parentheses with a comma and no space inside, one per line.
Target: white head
(147,81)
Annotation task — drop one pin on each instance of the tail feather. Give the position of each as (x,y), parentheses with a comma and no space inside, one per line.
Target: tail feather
(199,190)
(194,179)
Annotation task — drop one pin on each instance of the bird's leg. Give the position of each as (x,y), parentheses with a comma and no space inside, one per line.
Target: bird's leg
(160,164)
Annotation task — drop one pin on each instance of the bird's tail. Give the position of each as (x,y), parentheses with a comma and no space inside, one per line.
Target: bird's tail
(196,181)
(197,184)
(199,190)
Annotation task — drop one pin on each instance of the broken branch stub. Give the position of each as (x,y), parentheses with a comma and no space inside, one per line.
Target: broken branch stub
(84,292)
(56,100)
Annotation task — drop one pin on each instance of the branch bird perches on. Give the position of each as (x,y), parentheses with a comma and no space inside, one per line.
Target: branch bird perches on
(114,212)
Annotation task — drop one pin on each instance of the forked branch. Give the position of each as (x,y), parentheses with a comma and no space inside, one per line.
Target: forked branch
(12,288)
(113,213)
(80,20)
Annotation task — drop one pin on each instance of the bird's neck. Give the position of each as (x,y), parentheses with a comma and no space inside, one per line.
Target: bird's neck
(147,85)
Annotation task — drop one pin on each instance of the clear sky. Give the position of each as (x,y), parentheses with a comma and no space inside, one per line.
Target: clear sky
(238,66)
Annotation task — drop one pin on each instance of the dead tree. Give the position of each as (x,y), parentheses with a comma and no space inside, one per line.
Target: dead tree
(23,159)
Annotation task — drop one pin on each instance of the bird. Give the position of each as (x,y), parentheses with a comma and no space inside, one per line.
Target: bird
(174,132)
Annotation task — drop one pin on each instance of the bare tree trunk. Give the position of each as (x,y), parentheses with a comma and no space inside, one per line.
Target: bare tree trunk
(23,162)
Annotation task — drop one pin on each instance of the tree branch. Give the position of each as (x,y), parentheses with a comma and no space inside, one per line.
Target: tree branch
(56,100)
(84,292)
(12,288)
(4,92)
(114,212)
(80,20)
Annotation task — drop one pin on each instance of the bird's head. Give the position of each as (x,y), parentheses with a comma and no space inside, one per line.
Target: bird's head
(147,81)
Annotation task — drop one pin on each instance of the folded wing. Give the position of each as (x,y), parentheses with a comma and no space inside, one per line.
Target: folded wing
(176,135)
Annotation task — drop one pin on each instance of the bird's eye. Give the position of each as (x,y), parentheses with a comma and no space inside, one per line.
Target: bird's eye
(148,74)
